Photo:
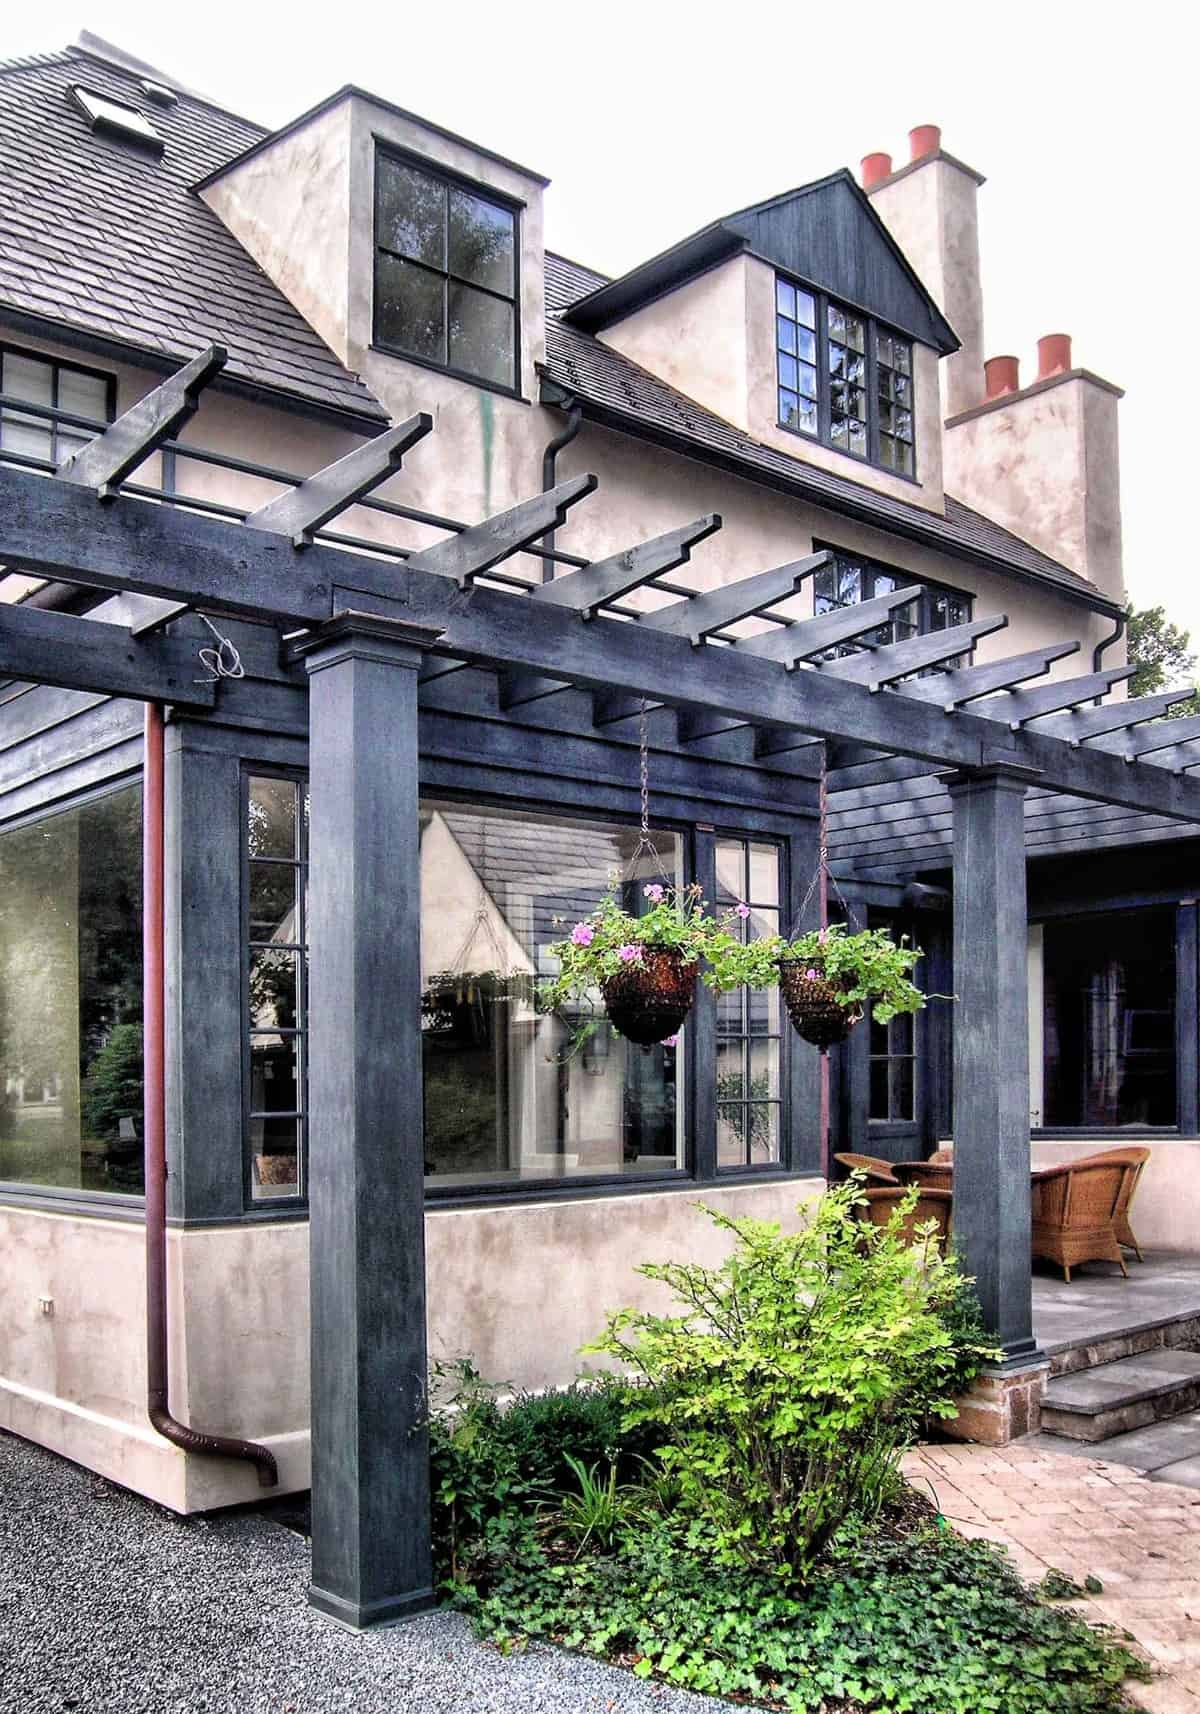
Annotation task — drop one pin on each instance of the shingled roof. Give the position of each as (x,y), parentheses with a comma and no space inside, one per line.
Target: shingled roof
(621,393)
(104,240)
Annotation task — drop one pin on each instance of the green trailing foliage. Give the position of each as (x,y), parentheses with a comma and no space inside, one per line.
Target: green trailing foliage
(915,1621)
(794,1374)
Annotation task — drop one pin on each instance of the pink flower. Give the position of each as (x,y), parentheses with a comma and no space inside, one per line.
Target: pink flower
(742,911)
(629,954)
(583,934)
(654,893)
(670,1041)
(811,974)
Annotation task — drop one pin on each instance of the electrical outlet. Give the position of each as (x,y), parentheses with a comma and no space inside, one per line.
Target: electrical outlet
(46,1305)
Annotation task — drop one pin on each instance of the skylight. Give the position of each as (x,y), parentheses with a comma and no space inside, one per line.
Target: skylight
(116,120)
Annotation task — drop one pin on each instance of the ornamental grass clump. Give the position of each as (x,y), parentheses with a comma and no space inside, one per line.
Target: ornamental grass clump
(793,1376)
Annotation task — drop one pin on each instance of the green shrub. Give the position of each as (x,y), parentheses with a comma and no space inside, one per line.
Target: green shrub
(920,1622)
(794,1375)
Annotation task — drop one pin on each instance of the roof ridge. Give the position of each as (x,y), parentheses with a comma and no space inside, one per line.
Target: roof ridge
(79,50)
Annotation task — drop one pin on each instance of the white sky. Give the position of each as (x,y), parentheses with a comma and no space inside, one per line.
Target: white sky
(653,119)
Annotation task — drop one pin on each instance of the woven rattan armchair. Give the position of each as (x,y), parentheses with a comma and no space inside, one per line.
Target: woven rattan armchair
(878,1171)
(942,1157)
(1074,1208)
(935,1205)
(934,1175)
(1134,1161)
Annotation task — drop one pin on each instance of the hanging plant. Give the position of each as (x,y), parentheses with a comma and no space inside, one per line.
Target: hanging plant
(458,1004)
(644,966)
(828,977)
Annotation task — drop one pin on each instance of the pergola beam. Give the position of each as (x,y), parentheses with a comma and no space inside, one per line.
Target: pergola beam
(1086,725)
(303,510)
(57,529)
(87,654)
(105,462)
(1017,707)
(950,690)
(701,615)
(474,552)
(594,586)
(808,637)
(877,668)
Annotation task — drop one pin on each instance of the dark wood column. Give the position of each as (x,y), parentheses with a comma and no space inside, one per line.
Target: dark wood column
(370,1480)
(991,1049)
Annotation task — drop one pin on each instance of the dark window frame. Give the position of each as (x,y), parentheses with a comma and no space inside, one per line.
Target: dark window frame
(486,193)
(297,777)
(931,593)
(873,327)
(699,1155)
(780,1034)
(57,365)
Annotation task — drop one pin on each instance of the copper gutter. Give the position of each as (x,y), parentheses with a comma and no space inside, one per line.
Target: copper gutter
(155,1126)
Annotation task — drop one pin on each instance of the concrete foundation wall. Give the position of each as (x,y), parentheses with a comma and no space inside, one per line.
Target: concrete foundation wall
(518,1288)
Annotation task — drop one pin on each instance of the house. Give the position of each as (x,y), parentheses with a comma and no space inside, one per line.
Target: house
(803,377)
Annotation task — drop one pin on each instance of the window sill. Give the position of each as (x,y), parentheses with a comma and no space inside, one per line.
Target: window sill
(860,459)
(513,393)
(89,1204)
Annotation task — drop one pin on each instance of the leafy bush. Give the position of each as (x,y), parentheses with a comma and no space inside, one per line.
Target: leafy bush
(795,1374)
(112,1085)
(917,1623)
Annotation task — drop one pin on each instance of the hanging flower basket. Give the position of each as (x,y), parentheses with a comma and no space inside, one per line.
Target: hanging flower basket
(649,997)
(817,1007)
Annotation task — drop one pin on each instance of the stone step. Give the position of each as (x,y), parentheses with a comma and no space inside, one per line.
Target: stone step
(1066,1356)
(1119,1397)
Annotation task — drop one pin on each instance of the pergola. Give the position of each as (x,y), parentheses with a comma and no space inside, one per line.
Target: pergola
(946,761)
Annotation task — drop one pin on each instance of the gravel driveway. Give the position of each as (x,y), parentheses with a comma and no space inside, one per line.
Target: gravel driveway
(109,1605)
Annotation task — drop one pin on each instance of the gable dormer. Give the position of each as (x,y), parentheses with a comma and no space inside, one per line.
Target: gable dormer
(800,321)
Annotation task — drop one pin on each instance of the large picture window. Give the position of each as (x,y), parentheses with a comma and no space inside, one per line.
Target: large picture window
(1109,1019)
(445,273)
(71,998)
(513,1094)
(844,379)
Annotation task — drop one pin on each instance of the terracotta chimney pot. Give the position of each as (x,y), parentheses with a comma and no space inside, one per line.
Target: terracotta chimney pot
(875,168)
(1054,355)
(1001,375)
(924,140)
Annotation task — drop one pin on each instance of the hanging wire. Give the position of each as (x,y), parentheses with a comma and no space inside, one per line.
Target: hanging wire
(222,662)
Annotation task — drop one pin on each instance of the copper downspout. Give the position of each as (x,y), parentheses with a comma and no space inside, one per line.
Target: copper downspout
(155,1126)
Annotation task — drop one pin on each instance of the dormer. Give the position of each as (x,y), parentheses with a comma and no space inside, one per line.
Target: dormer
(416,254)
(800,321)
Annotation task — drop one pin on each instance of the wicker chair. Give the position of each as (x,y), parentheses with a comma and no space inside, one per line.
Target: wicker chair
(1134,1161)
(1073,1212)
(935,1205)
(942,1157)
(877,1171)
(931,1174)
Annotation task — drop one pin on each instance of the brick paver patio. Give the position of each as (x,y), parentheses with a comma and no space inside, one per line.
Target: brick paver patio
(1086,1517)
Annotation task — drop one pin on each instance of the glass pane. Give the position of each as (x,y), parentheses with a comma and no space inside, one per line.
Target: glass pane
(731,1071)
(27,378)
(900,1033)
(731,1013)
(806,308)
(30,436)
(903,357)
(839,434)
(273,914)
(764,874)
(807,421)
(789,371)
(856,333)
(731,871)
(837,362)
(849,583)
(411,214)
(785,299)
(901,1080)
(808,380)
(858,438)
(763,1012)
(879,1090)
(71,998)
(83,395)
(272,990)
(883,347)
(887,455)
(274,1163)
(764,1070)
(274,1083)
(879,1036)
(903,457)
(761,1124)
(789,409)
(410,308)
(785,333)
(481,335)
(272,830)
(481,242)
(512,1092)
(837,324)
(731,1136)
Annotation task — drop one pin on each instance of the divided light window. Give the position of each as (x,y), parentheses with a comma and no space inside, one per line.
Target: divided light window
(844,379)
(852,578)
(36,380)
(445,273)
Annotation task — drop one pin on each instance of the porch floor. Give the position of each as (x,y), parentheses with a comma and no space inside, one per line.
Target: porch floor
(1099,1304)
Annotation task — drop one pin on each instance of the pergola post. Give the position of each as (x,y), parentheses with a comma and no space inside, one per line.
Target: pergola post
(370,1472)
(991,1050)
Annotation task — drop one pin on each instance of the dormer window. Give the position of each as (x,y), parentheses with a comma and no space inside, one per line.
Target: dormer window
(445,272)
(844,379)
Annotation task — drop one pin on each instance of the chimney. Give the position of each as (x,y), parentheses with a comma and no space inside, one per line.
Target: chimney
(929,205)
(875,168)
(1043,461)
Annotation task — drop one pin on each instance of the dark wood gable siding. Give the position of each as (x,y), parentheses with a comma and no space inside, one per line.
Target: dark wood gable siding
(829,235)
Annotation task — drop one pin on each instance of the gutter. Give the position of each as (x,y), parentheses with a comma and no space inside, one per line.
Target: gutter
(155,1128)
(574,410)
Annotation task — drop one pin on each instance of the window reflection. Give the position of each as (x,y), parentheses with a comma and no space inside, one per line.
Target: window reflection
(512,1093)
(71,998)
(749,1029)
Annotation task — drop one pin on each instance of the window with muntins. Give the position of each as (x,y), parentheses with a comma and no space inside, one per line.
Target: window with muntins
(71,997)
(37,380)
(446,272)
(749,1028)
(852,579)
(844,379)
(276,984)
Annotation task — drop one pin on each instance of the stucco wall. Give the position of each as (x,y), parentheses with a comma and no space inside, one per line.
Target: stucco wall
(1166,1209)
(518,1288)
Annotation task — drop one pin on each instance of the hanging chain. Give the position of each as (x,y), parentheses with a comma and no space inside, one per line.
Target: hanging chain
(645,846)
(822,872)
(644,761)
